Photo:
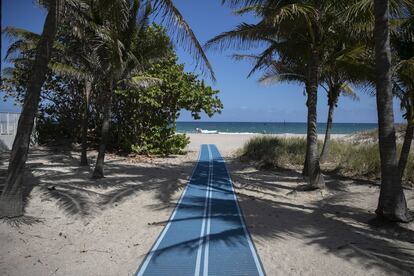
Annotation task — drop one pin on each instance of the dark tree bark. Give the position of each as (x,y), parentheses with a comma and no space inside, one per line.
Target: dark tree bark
(85,119)
(11,201)
(392,204)
(332,100)
(99,171)
(305,163)
(405,151)
(325,147)
(315,177)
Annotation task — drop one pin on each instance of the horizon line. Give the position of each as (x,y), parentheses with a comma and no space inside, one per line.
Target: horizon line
(196,121)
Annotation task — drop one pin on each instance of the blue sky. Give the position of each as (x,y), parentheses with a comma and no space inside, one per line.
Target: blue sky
(244,99)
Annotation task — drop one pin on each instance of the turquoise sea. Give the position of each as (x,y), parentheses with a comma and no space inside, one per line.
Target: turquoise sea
(269,128)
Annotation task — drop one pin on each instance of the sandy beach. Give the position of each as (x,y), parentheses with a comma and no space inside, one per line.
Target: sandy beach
(78,226)
(229,143)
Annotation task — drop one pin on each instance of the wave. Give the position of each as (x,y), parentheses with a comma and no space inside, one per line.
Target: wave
(242,133)
(220,132)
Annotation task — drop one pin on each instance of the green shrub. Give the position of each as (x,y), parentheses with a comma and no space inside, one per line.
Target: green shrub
(158,145)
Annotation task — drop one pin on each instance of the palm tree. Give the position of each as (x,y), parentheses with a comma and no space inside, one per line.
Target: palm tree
(337,73)
(403,88)
(77,61)
(11,203)
(113,44)
(335,89)
(291,29)
(402,42)
(70,60)
(392,204)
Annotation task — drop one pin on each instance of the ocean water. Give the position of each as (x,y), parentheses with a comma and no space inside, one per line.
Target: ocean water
(269,128)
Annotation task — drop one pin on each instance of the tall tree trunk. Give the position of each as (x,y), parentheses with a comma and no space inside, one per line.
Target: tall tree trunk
(11,201)
(99,172)
(85,119)
(315,177)
(325,148)
(405,151)
(391,203)
(305,163)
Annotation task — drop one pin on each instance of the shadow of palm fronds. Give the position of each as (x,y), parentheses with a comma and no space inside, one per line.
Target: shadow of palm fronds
(23,220)
(69,200)
(231,238)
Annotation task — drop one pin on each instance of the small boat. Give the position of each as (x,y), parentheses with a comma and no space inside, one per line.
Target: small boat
(205,131)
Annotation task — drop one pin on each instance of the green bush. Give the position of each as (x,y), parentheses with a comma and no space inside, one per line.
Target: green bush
(158,145)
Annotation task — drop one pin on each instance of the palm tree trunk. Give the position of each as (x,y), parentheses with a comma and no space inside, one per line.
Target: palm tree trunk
(325,148)
(85,119)
(315,177)
(405,151)
(99,172)
(391,204)
(11,201)
(305,164)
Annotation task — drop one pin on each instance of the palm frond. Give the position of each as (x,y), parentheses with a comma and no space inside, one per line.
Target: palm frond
(69,71)
(14,33)
(184,34)
(141,82)
(347,91)
(237,4)
(244,36)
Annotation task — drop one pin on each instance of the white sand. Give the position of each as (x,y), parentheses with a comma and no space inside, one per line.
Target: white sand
(228,143)
(106,227)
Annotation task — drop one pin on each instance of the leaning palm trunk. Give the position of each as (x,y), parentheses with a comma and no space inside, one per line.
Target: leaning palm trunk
(391,204)
(405,151)
(11,201)
(325,148)
(99,172)
(315,177)
(84,157)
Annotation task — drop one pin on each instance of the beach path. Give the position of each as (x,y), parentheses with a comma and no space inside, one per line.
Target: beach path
(206,233)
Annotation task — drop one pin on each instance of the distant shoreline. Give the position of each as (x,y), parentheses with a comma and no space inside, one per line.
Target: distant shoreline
(287,135)
(250,128)
(278,122)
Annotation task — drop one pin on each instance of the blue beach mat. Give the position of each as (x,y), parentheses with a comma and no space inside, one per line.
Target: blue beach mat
(206,234)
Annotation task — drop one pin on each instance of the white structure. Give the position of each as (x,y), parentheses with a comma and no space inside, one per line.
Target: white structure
(205,131)
(8,129)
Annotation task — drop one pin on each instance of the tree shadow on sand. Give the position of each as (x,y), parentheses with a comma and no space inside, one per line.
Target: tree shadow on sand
(58,177)
(30,181)
(332,222)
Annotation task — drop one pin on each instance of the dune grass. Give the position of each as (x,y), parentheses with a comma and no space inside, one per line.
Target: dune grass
(348,159)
